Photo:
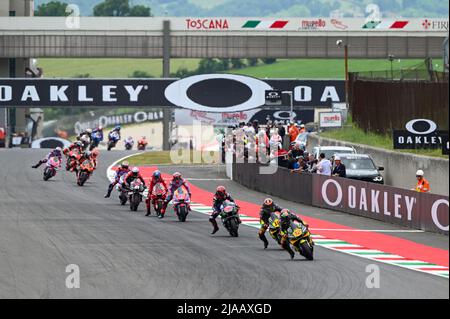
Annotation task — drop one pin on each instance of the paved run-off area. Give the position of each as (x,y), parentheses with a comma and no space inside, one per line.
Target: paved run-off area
(45,226)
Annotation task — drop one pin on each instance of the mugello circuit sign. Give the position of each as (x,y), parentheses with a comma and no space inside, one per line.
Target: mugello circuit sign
(206,92)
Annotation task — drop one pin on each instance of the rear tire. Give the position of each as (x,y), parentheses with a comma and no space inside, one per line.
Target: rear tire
(233,228)
(307,251)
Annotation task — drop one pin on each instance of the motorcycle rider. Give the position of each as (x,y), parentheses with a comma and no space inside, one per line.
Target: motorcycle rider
(142,142)
(123,170)
(96,137)
(95,154)
(267,209)
(286,218)
(129,140)
(131,176)
(177,182)
(87,155)
(156,178)
(115,129)
(57,152)
(219,198)
(76,145)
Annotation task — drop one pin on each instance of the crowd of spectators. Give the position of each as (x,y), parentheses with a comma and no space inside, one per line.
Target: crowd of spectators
(277,141)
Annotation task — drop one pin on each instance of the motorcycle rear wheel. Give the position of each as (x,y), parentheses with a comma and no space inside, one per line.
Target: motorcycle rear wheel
(233,228)
(307,250)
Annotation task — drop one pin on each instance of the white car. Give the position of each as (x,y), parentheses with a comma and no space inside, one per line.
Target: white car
(331,150)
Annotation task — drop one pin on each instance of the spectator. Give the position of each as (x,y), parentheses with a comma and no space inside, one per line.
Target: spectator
(302,129)
(422,185)
(339,168)
(324,165)
(281,130)
(300,165)
(293,131)
(255,126)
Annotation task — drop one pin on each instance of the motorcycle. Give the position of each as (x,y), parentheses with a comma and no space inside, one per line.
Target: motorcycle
(229,215)
(85,171)
(113,138)
(123,193)
(181,204)
(72,159)
(300,238)
(52,166)
(142,144)
(97,137)
(135,194)
(129,144)
(158,195)
(274,227)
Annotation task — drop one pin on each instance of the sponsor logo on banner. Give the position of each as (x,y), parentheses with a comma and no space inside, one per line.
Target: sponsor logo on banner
(441,25)
(187,117)
(419,134)
(313,24)
(383,203)
(109,120)
(206,92)
(330,119)
(338,24)
(244,93)
(207,24)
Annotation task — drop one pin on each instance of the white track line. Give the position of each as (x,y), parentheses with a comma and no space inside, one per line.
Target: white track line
(372,230)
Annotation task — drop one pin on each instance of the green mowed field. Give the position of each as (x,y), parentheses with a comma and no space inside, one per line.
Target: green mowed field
(109,68)
(293,68)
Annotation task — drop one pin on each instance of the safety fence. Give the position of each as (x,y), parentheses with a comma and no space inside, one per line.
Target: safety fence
(380,104)
(393,205)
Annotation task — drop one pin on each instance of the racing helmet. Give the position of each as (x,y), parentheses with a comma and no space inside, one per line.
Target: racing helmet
(58,149)
(135,170)
(285,215)
(117,128)
(220,190)
(157,174)
(87,153)
(419,173)
(268,202)
(125,164)
(78,143)
(95,152)
(176,176)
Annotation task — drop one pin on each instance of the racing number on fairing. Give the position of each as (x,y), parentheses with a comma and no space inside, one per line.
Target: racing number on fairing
(297,232)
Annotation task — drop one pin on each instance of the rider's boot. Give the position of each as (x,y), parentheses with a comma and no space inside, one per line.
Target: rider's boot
(216,227)
(110,188)
(264,239)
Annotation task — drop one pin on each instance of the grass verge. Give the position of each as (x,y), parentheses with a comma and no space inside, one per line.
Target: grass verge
(353,134)
(183,157)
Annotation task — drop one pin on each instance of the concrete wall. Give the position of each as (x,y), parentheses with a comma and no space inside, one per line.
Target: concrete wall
(400,168)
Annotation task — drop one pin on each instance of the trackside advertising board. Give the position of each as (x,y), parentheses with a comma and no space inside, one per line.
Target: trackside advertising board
(429,212)
(206,92)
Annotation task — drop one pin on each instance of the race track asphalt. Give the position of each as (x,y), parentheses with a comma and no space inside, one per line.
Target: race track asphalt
(46,226)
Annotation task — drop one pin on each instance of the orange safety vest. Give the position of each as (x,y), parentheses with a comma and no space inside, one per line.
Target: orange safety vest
(423,186)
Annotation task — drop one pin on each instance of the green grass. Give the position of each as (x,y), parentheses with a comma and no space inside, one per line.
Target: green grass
(164,157)
(353,134)
(292,68)
(109,68)
(324,68)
